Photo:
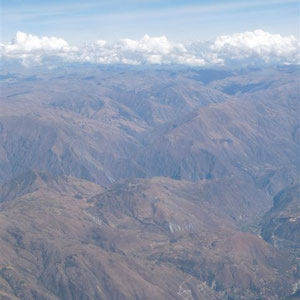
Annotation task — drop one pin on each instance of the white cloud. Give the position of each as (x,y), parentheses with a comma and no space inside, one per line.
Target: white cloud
(148,50)
(31,48)
(257,44)
(248,46)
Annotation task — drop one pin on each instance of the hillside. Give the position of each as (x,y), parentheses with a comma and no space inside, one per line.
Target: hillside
(149,183)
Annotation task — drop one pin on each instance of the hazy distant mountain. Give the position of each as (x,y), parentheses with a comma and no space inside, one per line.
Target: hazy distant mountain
(96,127)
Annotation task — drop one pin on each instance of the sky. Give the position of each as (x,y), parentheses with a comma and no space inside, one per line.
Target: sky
(201,33)
(180,20)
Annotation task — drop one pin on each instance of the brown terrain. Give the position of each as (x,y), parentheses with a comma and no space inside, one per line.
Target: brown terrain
(149,184)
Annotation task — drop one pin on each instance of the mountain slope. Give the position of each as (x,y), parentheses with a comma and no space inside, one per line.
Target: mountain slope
(281,224)
(188,160)
(137,239)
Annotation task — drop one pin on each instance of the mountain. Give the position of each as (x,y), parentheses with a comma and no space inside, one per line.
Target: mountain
(281,227)
(141,238)
(97,124)
(35,181)
(149,183)
(88,128)
(255,139)
(281,224)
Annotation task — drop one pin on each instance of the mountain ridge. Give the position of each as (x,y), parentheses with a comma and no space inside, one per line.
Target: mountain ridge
(143,183)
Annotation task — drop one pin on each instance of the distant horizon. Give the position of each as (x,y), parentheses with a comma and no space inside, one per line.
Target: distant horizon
(158,32)
(254,48)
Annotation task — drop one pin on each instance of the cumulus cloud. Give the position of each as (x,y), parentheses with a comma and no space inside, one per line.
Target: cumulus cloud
(257,44)
(148,50)
(248,46)
(31,48)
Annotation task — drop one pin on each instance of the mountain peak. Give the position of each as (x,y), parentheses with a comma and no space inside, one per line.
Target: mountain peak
(26,183)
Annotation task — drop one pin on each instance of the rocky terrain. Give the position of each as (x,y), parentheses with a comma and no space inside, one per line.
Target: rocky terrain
(158,183)
(138,238)
(280,226)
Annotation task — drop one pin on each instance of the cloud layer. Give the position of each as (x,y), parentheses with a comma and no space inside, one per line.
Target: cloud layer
(247,47)
(257,44)
(148,50)
(30,48)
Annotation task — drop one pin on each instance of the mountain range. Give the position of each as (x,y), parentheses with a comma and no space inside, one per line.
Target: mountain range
(149,183)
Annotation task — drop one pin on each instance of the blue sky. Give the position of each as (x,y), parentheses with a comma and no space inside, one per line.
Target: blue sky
(189,20)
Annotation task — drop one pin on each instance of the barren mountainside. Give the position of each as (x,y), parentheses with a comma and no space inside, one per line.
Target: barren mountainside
(149,183)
